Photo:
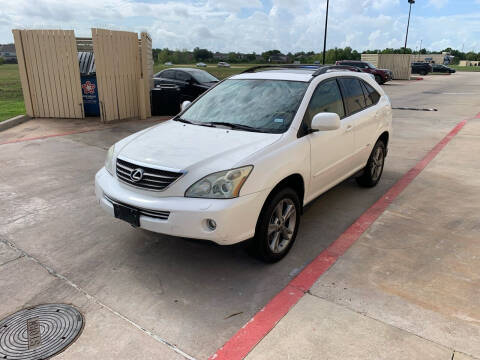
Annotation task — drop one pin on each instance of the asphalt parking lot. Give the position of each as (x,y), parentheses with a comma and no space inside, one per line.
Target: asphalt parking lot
(149,296)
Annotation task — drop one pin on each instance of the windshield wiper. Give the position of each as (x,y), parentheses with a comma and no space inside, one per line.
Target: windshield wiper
(183,120)
(235,126)
(192,123)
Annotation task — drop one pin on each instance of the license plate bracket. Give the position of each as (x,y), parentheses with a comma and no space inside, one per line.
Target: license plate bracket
(128,214)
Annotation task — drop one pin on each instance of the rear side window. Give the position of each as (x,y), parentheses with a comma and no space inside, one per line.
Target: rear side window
(353,94)
(372,97)
(168,74)
(325,98)
(183,76)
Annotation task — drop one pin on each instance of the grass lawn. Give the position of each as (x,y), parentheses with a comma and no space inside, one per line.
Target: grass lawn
(11,97)
(465,68)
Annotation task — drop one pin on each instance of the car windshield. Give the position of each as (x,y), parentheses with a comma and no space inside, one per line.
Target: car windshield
(203,76)
(371,66)
(261,105)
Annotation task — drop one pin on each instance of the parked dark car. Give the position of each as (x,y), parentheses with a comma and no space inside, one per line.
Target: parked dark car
(421,68)
(190,82)
(381,75)
(443,69)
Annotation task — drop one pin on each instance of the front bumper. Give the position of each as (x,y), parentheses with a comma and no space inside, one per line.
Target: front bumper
(236,218)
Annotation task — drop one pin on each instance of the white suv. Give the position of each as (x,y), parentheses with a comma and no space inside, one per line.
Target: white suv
(241,162)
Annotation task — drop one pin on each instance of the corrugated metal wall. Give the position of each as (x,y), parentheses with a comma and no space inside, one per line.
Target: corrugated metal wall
(49,73)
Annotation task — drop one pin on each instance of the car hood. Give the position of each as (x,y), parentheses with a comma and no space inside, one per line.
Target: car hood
(180,146)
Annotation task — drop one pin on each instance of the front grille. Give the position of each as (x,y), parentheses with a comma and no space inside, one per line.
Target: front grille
(152,179)
(157,214)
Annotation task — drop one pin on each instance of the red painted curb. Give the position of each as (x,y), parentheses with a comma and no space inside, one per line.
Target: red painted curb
(265,320)
(49,136)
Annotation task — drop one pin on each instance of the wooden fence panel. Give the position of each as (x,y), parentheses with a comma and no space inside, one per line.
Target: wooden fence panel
(147,70)
(371,58)
(398,63)
(74,72)
(49,73)
(22,69)
(41,105)
(118,71)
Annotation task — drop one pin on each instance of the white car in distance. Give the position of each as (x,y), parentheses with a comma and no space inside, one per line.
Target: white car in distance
(242,161)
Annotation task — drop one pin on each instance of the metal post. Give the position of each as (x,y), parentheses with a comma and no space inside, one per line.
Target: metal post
(325,35)
(420,49)
(408,24)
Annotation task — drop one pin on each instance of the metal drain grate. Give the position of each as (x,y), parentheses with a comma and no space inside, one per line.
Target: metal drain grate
(39,332)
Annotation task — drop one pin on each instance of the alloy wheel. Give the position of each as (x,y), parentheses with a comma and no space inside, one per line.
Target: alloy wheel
(281,225)
(377,163)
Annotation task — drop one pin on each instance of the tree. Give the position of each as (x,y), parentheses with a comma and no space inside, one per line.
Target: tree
(471,56)
(266,55)
(202,54)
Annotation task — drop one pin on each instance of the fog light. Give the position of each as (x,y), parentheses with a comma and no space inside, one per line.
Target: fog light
(211,224)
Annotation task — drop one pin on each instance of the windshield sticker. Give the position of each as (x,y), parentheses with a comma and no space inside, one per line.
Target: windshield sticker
(278,120)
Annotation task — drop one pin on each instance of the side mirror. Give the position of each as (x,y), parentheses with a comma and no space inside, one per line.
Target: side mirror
(325,121)
(185,105)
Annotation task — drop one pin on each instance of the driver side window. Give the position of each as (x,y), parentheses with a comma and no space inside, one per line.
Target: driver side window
(325,98)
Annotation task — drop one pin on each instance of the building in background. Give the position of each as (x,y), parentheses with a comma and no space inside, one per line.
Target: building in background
(443,58)
(469,63)
(7,52)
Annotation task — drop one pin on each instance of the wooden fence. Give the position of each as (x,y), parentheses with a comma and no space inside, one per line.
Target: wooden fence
(400,64)
(147,70)
(49,73)
(118,75)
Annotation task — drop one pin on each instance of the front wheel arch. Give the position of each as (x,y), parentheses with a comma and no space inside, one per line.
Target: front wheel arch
(294,181)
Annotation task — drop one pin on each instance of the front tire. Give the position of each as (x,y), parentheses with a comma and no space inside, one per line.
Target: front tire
(378,79)
(373,171)
(277,227)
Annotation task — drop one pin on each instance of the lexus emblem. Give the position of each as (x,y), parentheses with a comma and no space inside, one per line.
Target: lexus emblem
(136,175)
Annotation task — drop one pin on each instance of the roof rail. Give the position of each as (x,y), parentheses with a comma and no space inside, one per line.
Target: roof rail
(326,68)
(319,69)
(282,66)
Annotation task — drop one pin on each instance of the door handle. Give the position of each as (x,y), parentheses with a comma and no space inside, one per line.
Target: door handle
(349,127)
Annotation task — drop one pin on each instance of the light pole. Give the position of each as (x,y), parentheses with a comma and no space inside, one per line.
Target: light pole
(408,24)
(325,35)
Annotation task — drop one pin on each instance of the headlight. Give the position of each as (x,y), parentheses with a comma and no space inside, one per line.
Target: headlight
(221,185)
(109,165)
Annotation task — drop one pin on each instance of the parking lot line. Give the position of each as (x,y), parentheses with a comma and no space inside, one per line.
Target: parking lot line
(262,322)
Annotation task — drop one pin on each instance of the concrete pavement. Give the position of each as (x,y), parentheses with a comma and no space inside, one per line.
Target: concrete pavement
(168,297)
(409,288)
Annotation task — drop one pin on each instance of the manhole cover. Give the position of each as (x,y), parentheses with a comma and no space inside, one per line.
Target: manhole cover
(40,332)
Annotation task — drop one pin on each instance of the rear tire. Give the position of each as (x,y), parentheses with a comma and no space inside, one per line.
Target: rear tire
(277,227)
(373,171)
(423,72)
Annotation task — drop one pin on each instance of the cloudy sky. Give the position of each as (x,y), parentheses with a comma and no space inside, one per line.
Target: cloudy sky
(258,25)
